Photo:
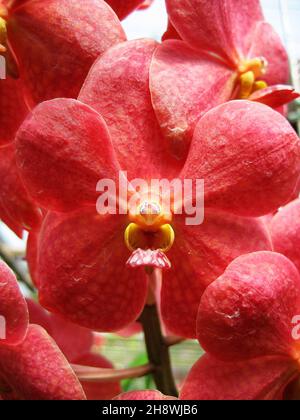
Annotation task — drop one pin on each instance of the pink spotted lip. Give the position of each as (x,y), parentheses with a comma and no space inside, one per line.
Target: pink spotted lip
(149,258)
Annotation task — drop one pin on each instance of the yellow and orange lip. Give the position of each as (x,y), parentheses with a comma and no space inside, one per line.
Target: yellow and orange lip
(149,228)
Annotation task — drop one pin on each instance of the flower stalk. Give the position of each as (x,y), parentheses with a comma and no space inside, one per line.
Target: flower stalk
(156,345)
(92,374)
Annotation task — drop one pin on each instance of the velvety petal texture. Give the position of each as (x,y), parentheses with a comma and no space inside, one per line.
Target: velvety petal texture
(39,316)
(199,255)
(275,96)
(63,150)
(218,26)
(266,43)
(15,203)
(118,88)
(246,153)
(248,156)
(37,370)
(257,379)
(13,308)
(285,231)
(89,283)
(57,41)
(185,84)
(248,312)
(74,341)
(98,390)
(13,109)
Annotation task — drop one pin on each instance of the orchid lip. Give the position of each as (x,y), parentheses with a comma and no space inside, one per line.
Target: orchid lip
(149,259)
(149,227)
(137,238)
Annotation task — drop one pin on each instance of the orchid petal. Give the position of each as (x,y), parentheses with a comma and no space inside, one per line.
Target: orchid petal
(63,150)
(248,312)
(13,109)
(13,309)
(267,44)
(285,232)
(37,370)
(217,26)
(199,255)
(73,340)
(98,390)
(275,96)
(39,316)
(60,40)
(184,85)
(170,33)
(14,199)
(258,379)
(89,283)
(118,88)
(248,156)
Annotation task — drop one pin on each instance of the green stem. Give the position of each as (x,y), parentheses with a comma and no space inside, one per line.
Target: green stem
(157,348)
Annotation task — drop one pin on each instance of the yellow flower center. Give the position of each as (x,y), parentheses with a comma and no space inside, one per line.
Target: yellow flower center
(3,35)
(149,228)
(249,79)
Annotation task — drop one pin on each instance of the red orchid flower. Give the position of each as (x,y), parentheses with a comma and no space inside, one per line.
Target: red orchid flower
(227,51)
(55,42)
(124,8)
(17,210)
(31,365)
(63,66)
(76,344)
(245,323)
(81,268)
